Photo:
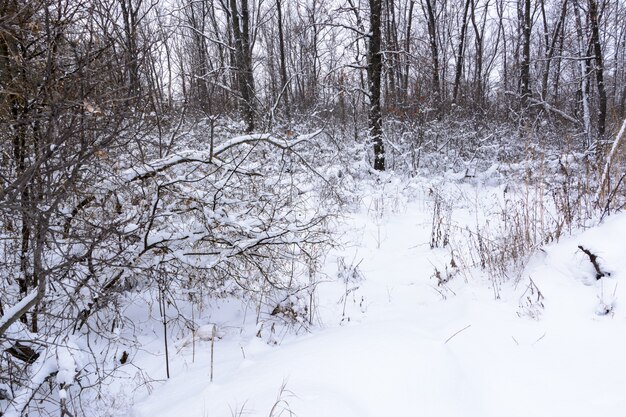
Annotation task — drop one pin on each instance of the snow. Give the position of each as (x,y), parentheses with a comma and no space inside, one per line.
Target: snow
(390,342)
(66,367)
(5,392)
(63,360)
(41,369)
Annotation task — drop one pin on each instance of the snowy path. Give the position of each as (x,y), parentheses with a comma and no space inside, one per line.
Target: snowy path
(392,358)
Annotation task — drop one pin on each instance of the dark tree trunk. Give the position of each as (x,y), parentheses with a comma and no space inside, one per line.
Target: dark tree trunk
(459,58)
(283,63)
(407,49)
(505,70)
(599,66)
(525,66)
(130,14)
(374,72)
(245,77)
(434,50)
(392,59)
(551,47)
(557,72)
(197,20)
(478,42)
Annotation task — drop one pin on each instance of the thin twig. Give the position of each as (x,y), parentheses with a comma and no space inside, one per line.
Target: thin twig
(538,340)
(213,333)
(464,328)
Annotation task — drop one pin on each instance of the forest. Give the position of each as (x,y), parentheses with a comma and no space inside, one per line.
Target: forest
(173,170)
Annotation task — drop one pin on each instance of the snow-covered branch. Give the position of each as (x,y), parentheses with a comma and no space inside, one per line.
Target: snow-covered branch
(205,157)
(18,310)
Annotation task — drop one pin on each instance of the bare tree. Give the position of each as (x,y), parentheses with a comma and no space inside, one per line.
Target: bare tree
(283,59)
(599,66)
(526,21)
(461,51)
(551,45)
(240,24)
(374,72)
(429,12)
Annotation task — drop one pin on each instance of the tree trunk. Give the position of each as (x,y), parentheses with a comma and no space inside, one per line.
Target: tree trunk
(557,72)
(459,58)
(283,63)
(551,47)
(434,50)
(599,66)
(407,50)
(525,66)
(374,72)
(478,42)
(505,73)
(583,64)
(130,13)
(243,59)
(392,58)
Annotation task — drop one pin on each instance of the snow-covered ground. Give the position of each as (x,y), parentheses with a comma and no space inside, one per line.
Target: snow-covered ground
(390,341)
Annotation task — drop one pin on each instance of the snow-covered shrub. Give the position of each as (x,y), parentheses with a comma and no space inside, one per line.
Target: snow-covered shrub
(160,229)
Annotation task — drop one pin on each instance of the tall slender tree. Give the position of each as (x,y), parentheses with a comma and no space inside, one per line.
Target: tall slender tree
(240,24)
(460,54)
(599,65)
(525,64)
(374,73)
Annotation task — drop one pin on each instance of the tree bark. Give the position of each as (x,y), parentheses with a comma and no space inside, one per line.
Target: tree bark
(374,72)
(243,59)
(599,66)
(525,66)
(584,82)
(407,49)
(283,63)
(460,54)
(434,50)
(479,35)
(551,47)
(130,14)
